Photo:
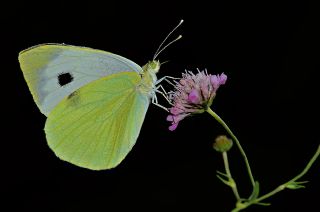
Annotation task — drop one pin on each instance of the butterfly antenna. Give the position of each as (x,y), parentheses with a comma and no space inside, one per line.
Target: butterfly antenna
(164,62)
(158,50)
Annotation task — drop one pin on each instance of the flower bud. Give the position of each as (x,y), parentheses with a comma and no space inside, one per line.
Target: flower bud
(222,143)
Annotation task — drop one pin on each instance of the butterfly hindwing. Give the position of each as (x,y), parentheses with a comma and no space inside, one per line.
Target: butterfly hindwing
(54,71)
(97,126)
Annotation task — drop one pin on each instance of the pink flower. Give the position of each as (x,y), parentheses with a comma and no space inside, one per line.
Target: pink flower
(193,94)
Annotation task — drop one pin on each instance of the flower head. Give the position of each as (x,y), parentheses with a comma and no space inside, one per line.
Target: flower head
(193,94)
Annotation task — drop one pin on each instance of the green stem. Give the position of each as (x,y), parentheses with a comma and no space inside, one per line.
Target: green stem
(284,185)
(237,142)
(234,185)
(281,187)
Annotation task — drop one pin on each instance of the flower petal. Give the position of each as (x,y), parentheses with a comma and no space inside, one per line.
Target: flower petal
(194,97)
(223,79)
(173,127)
(169,118)
(214,81)
(175,110)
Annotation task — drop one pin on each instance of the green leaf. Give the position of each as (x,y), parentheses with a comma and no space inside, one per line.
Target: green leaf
(221,173)
(296,185)
(263,203)
(302,182)
(255,192)
(223,180)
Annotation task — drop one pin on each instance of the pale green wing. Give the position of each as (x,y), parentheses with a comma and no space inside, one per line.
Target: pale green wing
(96,126)
(44,65)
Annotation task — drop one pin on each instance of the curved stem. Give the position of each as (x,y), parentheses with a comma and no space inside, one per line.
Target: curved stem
(284,185)
(237,142)
(281,187)
(234,185)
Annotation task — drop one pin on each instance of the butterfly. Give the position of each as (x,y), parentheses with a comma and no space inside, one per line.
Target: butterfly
(95,101)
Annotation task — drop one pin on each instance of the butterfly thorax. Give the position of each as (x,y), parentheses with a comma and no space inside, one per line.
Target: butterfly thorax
(148,76)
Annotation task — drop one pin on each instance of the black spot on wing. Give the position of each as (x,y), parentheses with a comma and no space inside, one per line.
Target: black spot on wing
(64,79)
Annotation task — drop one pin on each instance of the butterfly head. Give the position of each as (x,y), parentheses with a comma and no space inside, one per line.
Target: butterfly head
(152,67)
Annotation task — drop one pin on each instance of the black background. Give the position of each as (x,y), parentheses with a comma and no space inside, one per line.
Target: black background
(269,50)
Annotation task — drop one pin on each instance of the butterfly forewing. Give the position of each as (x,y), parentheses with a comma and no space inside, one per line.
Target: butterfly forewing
(54,71)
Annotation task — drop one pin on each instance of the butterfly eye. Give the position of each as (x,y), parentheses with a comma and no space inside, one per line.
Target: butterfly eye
(64,78)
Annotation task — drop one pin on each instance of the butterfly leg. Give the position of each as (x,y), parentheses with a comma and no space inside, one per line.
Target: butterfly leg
(166,79)
(160,89)
(155,102)
(163,92)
